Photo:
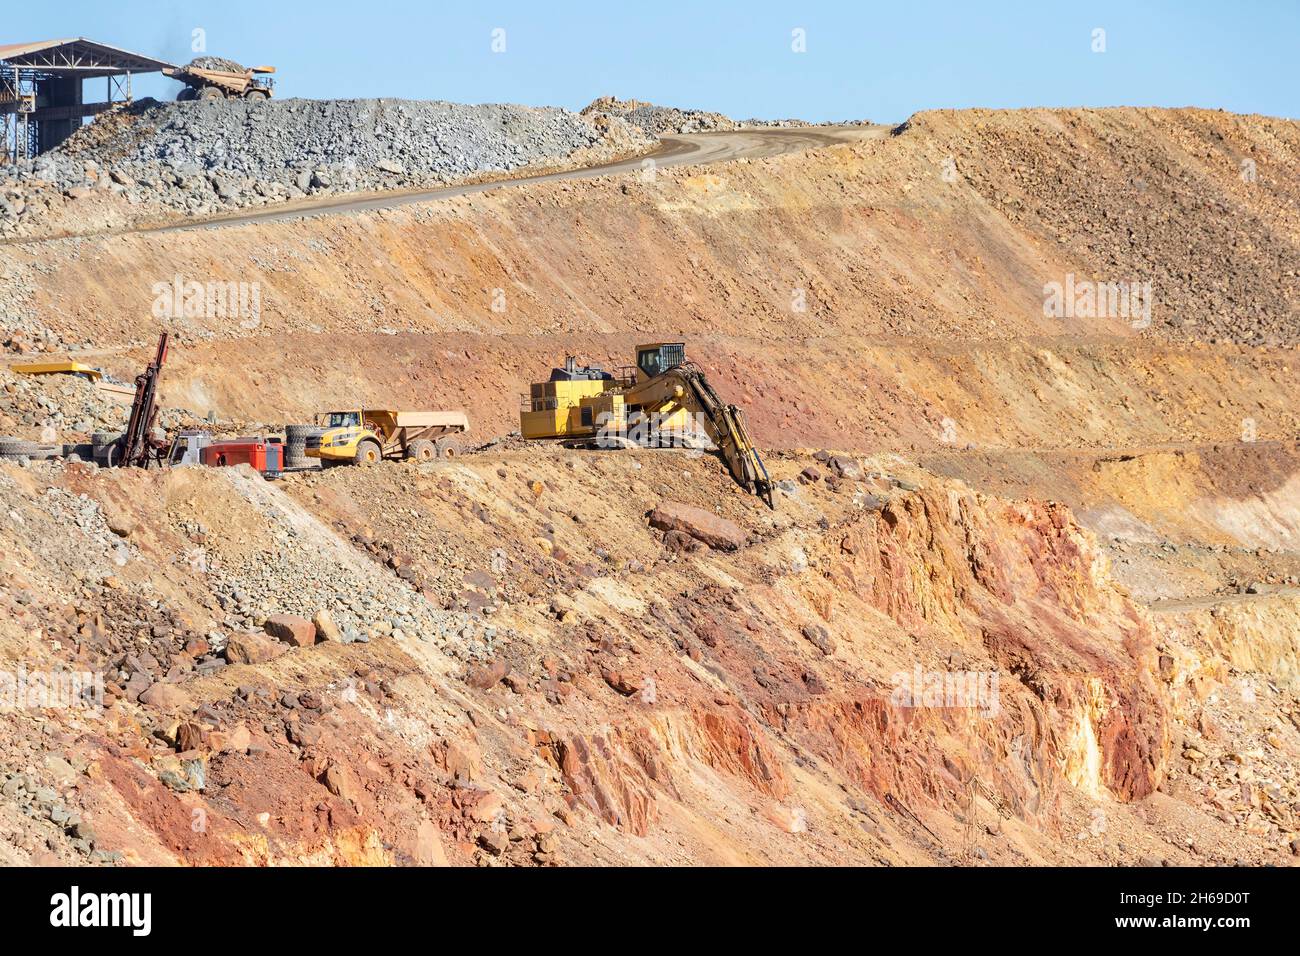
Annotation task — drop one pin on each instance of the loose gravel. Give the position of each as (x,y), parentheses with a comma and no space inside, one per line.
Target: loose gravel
(205,156)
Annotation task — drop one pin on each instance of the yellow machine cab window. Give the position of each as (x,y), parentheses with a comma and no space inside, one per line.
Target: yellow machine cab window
(344,419)
(654,360)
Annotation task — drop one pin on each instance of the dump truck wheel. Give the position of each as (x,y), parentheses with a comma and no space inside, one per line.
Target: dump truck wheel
(447,447)
(421,450)
(14,450)
(187,94)
(368,453)
(211,93)
(255,96)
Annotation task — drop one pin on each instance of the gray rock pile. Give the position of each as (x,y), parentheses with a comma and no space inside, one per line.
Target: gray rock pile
(203,157)
(71,406)
(659,120)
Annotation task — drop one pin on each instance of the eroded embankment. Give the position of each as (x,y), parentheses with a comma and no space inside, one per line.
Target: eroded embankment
(624,697)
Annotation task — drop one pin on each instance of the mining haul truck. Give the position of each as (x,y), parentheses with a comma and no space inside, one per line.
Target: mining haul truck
(203,84)
(372,434)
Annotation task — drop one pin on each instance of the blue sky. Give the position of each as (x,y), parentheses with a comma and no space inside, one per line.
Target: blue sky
(879,61)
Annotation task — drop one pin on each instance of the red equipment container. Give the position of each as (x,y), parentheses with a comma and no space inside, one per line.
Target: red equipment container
(262,455)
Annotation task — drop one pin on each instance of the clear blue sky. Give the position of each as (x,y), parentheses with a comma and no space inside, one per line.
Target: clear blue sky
(879,61)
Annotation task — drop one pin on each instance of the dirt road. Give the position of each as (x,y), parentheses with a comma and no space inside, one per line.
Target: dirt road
(682,149)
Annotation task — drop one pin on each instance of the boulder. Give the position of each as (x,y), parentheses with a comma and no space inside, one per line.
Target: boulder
(339,781)
(845,467)
(166,697)
(291,629)
(118,521)
(326,629)
(624,682)
(237,740)
(484,806)
(252,649)
(489,675)
(820,638)
(718,533)
(427,847)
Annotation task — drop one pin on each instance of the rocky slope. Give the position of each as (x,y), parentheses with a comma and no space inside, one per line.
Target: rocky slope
(1039,608)
(567,685)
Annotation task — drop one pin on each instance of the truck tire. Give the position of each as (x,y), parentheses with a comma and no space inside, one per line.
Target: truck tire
(14,450)
(447,447)
(187,94)
(369,453)
(297,434)
(211,93)
(255,96)
(82,451)
(100,442)
(421,450)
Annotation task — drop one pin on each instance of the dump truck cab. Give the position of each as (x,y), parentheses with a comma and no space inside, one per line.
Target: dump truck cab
(344,431)
(367,435)
(343,419)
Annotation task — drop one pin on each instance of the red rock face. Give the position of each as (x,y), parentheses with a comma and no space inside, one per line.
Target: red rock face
(1016,583)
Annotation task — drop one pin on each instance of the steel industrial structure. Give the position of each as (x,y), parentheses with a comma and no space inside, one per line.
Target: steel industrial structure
(41,101)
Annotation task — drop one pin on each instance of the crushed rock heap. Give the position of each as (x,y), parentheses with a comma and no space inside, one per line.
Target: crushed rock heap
(217,63)
(198,158)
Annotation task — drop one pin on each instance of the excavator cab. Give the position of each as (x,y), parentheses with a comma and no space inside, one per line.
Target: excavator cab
(654,360)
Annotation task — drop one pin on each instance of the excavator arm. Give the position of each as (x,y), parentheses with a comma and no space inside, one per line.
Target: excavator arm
(687,387)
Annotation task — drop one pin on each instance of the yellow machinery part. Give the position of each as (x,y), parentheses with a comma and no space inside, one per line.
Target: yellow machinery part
(55,368)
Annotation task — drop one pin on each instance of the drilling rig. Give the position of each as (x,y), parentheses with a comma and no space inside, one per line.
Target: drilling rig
(137,445)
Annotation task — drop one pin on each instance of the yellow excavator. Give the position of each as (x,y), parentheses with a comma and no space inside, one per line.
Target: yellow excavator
(665,401)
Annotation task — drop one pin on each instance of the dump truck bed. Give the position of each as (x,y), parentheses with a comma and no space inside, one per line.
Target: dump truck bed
(458,421)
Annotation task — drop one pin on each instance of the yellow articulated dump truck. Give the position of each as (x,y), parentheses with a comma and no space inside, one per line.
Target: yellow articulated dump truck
(364,435)
(665,401)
